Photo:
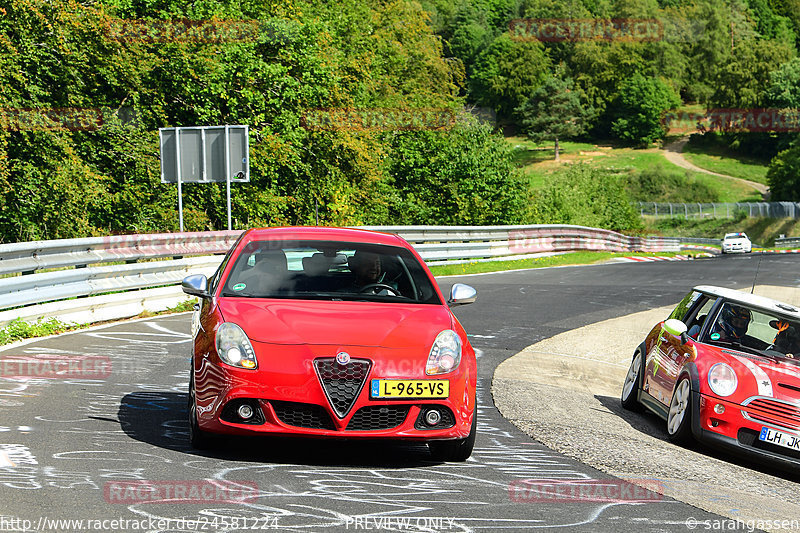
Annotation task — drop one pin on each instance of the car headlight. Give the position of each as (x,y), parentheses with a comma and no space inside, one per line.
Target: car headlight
(445,354)
(722,379)
(234,348)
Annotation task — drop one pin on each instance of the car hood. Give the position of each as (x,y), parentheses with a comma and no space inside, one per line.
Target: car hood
(767,378)
(337,323)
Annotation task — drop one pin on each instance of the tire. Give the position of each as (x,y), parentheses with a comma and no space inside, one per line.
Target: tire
(679,417)
(633,382)
(198,439)
(456,450)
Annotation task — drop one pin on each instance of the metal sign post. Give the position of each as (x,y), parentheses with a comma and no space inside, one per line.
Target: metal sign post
(205,154)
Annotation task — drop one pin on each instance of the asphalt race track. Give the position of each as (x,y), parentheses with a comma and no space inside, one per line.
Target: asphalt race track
(67,445)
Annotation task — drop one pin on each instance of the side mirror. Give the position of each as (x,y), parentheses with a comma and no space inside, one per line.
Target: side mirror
(676,327)
(461,294)
(196,285)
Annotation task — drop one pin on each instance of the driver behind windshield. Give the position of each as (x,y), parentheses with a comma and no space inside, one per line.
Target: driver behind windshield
(368,271)
(732,323)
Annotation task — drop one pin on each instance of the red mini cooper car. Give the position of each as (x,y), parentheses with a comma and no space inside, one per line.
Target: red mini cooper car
(330,332)
(724,368)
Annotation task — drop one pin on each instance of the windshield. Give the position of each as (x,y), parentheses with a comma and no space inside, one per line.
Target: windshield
(325,270)
(755,331)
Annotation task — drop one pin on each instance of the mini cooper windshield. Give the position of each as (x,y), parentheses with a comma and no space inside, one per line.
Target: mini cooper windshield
(326,270)
(755,331)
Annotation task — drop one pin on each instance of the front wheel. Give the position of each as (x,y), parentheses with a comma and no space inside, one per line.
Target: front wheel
(679,419)
(198,439)
(630,389)
(456,450)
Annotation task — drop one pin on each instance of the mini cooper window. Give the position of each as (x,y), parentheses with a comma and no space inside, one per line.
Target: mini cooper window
(329,271)
(755,331)
(682,309)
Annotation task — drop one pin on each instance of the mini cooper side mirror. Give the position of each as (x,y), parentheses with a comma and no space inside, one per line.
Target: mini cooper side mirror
(461,294)
(677,328)
(195,285)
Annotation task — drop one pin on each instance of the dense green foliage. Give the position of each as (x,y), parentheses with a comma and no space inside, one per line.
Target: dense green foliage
(123,65)
(663,185)
(587,196)
(784,175)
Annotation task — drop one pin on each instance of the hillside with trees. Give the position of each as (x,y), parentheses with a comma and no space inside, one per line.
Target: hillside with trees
(85,86)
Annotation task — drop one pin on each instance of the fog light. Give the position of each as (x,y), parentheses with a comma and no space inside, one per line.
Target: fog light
(245,411)
(719,408)
(433,417)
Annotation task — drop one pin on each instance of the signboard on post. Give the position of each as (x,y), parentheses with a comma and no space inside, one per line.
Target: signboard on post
(205,154)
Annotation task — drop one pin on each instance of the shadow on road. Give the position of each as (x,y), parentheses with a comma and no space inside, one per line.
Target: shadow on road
(160,419)
(651,425)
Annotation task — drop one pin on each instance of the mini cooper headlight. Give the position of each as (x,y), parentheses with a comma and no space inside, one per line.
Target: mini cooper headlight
(722,379)
(445,354)
(234,348)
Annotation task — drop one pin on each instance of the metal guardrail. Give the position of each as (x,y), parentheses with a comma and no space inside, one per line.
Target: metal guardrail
(720,210)
(72,279)
(787,241)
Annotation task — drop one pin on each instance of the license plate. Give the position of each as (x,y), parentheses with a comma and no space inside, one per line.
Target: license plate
(787,440)
(407,388)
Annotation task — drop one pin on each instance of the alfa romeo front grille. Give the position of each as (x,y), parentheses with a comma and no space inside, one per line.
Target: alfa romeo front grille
(374,417)
(302,415)
(342,383)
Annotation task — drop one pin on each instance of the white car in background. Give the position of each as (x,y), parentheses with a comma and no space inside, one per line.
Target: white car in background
(736,242)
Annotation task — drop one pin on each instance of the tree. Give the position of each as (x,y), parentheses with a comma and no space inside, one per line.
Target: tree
(784,175)
(554,111)
(507,72)
(784,87)
(639,108)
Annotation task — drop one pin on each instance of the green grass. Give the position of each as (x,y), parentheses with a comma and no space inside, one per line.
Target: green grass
(724,161)
(571,258)
(537,164)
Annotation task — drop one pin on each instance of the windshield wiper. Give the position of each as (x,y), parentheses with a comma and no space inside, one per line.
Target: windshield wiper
(749,349)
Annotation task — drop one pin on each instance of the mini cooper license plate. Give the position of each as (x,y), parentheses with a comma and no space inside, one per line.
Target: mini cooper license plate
(787,440)
(408,388)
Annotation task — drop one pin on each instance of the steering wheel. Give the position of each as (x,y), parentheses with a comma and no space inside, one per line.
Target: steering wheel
(370,286)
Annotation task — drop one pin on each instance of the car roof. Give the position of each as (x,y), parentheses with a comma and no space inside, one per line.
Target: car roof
(318,233)
(752,300)
(739,234)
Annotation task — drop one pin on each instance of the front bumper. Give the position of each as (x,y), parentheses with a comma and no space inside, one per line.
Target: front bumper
(737,431)
(289,399)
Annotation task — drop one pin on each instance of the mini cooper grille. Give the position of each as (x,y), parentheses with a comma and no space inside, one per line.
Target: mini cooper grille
(378,417)
(342,383)
(768,410)
(303,415)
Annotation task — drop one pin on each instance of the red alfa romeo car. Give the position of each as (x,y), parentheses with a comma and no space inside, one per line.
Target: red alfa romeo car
(330,332)
(724,368)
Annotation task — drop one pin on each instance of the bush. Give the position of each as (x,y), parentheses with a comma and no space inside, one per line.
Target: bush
(586,196)
(659,184)
(639,108)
